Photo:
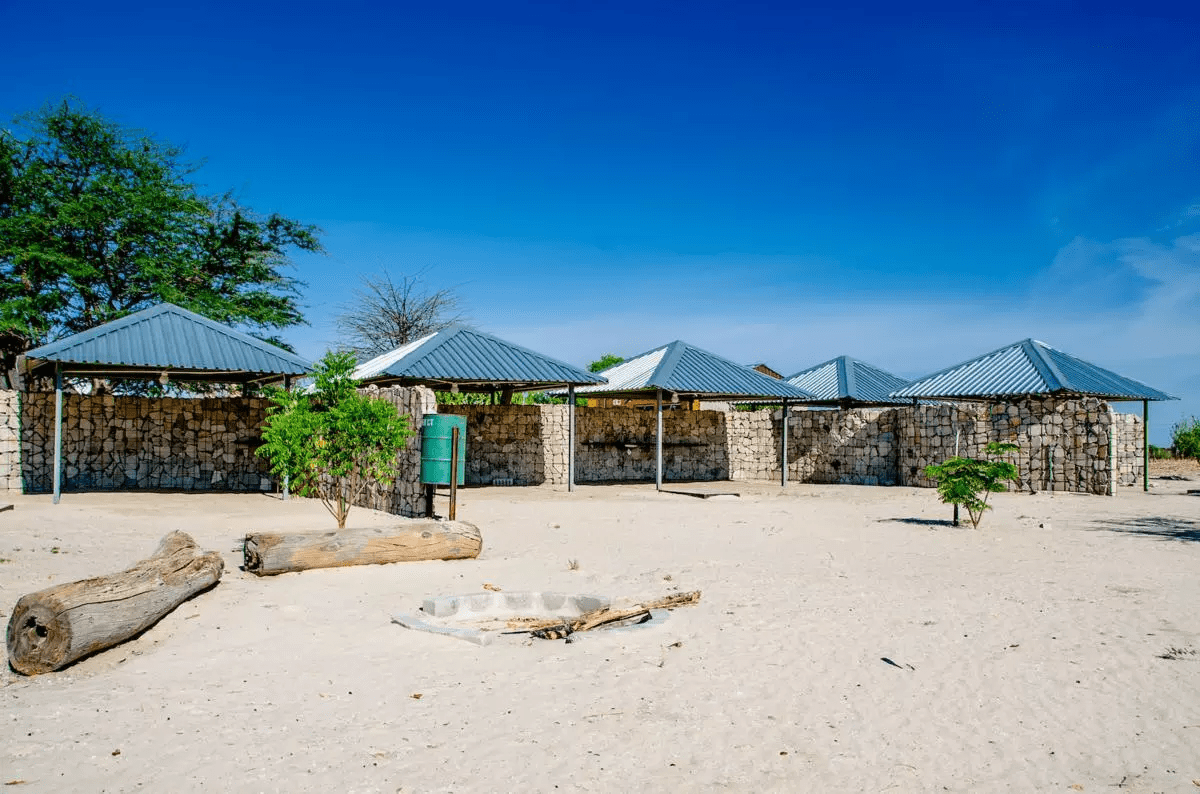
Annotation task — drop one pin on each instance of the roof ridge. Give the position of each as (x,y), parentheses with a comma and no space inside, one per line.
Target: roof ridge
(1050,372)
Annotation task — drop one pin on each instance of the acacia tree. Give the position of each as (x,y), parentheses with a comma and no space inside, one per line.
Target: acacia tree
(387,314)
(98,221)
(333,442)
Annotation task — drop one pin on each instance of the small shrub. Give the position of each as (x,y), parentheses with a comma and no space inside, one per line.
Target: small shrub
(968,482)
(1185,438)
(1160,453)
(334,442)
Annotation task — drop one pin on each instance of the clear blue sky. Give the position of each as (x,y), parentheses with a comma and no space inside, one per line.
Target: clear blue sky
(911,184)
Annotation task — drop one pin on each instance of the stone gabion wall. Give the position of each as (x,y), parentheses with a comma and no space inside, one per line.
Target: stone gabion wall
(405,496)
(112,443)
(1063,444)
(618,444)
(851,447)
(118,443)
(555,435)
(10,441)
(505,442)
(1131,462)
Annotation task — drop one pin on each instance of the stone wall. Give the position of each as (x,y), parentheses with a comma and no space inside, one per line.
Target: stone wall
(1063,444)
(119,443)
(142,443)
(504,442)
(527,444)
(619,444)
(10,441)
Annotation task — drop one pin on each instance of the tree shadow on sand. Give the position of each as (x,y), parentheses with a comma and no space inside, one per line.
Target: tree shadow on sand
(921,522)
(1154,526)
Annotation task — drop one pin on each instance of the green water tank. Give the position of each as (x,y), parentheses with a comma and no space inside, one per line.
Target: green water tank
(436,443)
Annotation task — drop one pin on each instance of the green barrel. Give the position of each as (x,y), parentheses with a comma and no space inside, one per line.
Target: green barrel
(436,445)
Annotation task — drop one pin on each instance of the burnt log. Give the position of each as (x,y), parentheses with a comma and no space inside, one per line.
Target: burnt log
(269,553)
(54,627)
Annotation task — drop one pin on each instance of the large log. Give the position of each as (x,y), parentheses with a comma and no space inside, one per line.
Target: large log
(51,628)
(269,553)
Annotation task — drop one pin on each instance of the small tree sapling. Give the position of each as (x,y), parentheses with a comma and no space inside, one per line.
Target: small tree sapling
(333,442)
(968,482)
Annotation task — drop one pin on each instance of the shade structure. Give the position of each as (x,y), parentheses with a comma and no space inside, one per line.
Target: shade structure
(470,360)
(1030,368)
(846,382)
(161,342)
(473,361)
(171,340)
(681,370)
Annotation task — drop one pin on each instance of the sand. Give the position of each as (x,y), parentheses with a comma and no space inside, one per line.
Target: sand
(848,639)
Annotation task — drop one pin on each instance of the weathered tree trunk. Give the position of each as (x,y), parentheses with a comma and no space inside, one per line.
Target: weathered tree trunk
(270,553)
(51,628)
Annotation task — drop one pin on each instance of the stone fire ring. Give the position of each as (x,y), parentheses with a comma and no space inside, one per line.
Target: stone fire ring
(440,614)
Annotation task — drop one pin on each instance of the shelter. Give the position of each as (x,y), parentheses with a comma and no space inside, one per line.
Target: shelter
(1030,368)
(682,371)
(464,359)
(161,343)
(846,382)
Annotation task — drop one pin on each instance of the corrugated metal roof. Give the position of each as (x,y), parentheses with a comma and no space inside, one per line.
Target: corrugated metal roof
(465,356)
(166,337)
(684,369)
(848,381)
(1028,367)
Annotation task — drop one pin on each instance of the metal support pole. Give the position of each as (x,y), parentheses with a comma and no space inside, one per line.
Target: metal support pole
(570,438)
(658,478)
(287,385)
(784,443)
(453,473)
(58,424)
(1146,445)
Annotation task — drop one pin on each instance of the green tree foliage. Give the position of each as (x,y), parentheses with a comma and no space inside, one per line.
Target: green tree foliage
(333,442)
(1185,438)
(98,221)
(605,361)
(968,482)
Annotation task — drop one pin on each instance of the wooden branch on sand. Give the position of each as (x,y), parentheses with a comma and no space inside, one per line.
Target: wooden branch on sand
(51,628)
(268,553)
(560,628)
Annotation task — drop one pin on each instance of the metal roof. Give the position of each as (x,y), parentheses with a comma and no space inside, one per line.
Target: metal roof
(472,360)
(683,369)
(1028,368)
(846,381)
(166,338)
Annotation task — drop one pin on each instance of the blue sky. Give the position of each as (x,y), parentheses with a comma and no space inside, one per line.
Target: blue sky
(910,184)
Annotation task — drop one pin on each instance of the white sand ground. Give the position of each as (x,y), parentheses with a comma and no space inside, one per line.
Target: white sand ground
(1026,654)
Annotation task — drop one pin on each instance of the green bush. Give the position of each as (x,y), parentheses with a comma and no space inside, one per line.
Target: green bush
(1160,453)
(333,442)
(1185,438)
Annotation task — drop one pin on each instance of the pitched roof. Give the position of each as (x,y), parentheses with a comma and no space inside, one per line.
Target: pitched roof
(846,381)
(470,358)
(1027,368)
(684,369)
(167,338)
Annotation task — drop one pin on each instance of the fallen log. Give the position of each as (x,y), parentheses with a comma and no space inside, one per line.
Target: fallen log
(269,553)
(51,628)
(557,628)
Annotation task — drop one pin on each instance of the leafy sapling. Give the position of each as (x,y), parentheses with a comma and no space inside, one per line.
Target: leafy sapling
(968,482)
(333,442)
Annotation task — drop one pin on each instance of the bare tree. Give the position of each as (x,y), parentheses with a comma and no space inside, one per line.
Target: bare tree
(387,314)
